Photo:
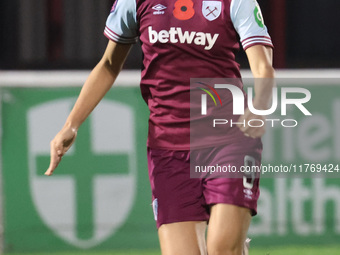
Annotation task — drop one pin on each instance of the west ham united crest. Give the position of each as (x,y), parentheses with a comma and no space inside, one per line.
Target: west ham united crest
(211,10)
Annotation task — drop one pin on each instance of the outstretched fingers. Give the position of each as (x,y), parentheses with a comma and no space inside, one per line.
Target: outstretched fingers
(59,146)
(56,154)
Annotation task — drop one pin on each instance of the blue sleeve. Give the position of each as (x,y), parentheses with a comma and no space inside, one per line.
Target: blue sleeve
(121,25)
(248,21)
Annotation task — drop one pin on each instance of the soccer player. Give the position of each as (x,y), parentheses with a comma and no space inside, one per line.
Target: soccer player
(183,39)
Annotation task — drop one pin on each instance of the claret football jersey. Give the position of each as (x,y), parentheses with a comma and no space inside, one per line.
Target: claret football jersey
(183,39)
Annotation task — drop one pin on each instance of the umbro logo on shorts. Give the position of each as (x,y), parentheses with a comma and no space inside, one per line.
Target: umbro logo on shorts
(248,193)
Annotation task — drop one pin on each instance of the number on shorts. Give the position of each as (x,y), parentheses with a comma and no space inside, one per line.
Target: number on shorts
(249,176)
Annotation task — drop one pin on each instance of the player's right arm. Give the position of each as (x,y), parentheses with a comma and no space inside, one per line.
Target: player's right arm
(121,30)
(97,84)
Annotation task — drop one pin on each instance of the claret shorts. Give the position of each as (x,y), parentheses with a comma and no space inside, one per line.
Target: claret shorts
(176,197)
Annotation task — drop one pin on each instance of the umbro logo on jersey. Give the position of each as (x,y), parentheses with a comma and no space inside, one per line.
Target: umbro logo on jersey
(176,35)
(158,9)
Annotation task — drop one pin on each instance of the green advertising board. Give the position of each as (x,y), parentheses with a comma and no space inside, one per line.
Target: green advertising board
(302,206)
(99,198)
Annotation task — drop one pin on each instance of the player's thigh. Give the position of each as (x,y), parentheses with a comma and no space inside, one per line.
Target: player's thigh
(176,196)
(227,230)
(187,238)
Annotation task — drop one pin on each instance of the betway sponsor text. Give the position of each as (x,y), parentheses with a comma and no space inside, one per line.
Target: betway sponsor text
(176,35)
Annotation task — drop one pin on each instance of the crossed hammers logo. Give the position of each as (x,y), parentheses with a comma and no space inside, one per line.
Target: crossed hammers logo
(211,11)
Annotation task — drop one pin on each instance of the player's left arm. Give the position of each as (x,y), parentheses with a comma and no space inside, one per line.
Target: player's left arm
(260,61)
(248,22)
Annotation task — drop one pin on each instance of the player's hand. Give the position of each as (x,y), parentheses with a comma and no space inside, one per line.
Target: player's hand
(253,132)
(59,146)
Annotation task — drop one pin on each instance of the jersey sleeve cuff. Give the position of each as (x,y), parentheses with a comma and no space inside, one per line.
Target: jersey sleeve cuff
(118,38)
(256,40)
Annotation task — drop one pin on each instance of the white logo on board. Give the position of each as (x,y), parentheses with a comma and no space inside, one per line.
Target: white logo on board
(112,194)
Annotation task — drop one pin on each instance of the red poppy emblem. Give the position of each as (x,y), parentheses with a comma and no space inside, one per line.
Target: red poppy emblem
(184,9)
